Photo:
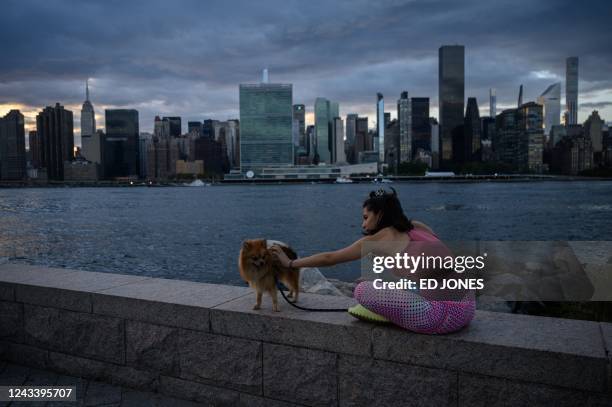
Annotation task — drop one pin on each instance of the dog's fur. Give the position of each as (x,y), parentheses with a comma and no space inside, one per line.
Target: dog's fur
(258,267)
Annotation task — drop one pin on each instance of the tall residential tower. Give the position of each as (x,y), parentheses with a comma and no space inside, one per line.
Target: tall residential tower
(54,128)
(12,146)
(404,117)
(380,126)
(571,90)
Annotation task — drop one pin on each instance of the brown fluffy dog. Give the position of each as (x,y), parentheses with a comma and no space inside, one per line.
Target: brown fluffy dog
(258,268)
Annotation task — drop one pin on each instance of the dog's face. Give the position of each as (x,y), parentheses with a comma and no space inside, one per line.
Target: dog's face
(255,253)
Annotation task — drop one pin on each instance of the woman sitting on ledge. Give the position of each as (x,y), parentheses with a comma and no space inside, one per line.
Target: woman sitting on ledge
(385,222)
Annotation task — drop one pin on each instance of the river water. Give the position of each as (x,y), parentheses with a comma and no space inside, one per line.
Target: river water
(195,233)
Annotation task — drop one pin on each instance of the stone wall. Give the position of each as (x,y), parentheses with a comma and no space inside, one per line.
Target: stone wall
(203,342)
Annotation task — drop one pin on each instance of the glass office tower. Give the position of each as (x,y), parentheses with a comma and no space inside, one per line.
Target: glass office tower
(266,116)
(120,146)
(551,103)
(421,127)
(451,83)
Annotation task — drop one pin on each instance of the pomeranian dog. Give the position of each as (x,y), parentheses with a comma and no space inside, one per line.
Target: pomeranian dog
(258,267)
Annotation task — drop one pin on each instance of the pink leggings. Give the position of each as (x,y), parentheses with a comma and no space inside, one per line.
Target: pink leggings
(413,312)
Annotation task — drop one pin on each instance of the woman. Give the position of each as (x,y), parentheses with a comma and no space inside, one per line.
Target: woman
(384,222)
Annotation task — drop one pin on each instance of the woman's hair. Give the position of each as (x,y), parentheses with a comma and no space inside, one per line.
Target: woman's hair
(391,211)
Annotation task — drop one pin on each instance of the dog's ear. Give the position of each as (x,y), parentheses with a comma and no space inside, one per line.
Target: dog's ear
(246,245)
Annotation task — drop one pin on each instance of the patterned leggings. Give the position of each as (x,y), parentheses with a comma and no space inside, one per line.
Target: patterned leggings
(413,312)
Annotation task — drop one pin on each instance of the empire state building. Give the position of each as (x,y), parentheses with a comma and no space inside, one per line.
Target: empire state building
(90,142)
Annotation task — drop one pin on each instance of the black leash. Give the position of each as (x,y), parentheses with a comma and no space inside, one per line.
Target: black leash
(278,284)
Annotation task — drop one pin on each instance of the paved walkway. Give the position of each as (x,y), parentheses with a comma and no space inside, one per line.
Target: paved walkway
(88,392)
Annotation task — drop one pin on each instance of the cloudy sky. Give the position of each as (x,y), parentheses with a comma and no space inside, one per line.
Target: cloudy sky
(186,58)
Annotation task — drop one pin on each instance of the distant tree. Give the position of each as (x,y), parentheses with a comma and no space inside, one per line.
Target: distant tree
(597,172)
(484,168)
(412,168)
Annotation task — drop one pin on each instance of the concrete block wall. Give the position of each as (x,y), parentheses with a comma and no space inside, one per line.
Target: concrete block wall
(203,342)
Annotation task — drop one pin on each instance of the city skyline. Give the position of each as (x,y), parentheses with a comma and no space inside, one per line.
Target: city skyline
(162,62)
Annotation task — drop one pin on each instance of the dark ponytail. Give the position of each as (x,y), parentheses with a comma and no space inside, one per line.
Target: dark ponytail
(389,206)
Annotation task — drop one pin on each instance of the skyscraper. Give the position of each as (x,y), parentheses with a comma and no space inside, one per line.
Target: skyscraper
(492,103)
(392,144)
(350,131)
(334,110)
(361,137)
(310,142)
(120,144)
(487,124)
(210,152)
(380,126)
(520,137)
(35,149)
(90,141)
(161,128)
(232,136)
(321,111)
(12,146)
(471,146)
(175,125)
(88,118)
(351,123)
(551,103)
(520,97)
(266,116)
(531,137)
(593,130)
(158,154)
(404,117)
(435,143)
(339,155)
(421,126)
(571,89)
(208,128)
(325,112)
(55,130)
(195,127)
(299,115)
(451,87)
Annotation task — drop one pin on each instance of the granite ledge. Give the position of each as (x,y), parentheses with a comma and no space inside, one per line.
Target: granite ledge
(517,346)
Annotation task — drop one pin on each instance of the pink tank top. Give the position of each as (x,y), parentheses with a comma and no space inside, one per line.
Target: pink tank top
(421,241)
(425,243)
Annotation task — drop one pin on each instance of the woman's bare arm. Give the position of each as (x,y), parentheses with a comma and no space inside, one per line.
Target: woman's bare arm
(349,253)
(325,259)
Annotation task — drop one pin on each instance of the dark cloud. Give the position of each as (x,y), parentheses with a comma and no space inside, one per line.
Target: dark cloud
(188,57)
(595,105)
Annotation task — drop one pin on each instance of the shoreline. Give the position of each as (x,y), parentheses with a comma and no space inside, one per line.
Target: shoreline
(356,180)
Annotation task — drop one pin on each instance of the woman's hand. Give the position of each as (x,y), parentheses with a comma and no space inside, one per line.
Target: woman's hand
(280,255)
